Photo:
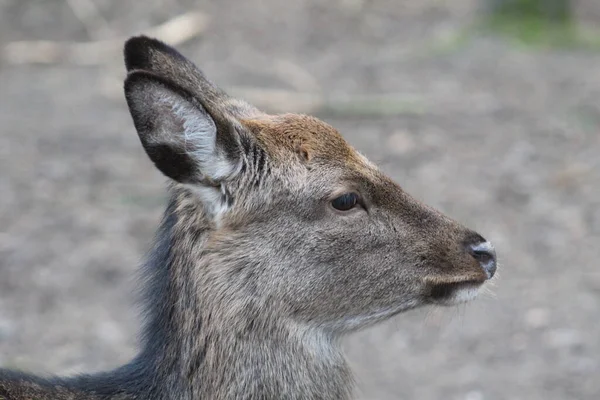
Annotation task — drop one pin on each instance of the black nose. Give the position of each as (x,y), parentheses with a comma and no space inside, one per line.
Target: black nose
(486,255)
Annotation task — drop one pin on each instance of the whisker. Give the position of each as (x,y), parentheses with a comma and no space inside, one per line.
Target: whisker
(488,293)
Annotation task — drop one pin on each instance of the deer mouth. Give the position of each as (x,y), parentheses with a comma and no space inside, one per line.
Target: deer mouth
(452,293)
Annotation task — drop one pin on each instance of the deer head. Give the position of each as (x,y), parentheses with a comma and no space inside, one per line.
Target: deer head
(300,224)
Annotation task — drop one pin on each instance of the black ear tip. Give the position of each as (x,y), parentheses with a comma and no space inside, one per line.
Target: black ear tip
(138,52)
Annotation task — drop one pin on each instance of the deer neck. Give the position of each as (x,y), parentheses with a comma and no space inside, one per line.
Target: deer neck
(200,345)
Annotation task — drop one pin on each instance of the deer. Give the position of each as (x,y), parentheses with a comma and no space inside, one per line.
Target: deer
(279,239)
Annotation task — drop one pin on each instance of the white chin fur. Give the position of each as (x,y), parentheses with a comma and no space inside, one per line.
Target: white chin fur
(462,295)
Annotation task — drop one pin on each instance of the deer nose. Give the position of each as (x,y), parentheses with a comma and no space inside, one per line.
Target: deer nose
(485,254)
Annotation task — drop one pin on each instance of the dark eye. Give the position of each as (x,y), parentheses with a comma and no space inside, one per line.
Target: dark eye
(345,202)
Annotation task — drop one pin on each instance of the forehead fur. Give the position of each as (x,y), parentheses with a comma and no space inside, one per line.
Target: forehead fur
(311,138)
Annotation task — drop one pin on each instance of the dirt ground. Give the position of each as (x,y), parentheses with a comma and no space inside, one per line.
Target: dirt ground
(501,137)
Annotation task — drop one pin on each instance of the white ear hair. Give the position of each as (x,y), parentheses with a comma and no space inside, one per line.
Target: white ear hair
(199,137)
(183,139)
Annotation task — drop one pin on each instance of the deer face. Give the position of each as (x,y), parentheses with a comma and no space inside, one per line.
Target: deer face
(302,224)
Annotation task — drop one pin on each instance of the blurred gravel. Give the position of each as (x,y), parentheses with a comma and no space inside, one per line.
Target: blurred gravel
(507,141)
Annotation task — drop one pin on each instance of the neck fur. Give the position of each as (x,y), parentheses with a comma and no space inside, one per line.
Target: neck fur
(199,342)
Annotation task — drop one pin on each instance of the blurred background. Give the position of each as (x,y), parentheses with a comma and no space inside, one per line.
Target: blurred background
(486,109)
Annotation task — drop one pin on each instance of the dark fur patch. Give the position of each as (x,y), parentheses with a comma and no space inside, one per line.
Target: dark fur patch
(173,162)
(138,52)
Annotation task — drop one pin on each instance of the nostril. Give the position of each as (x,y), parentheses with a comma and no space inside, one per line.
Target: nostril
(485,254)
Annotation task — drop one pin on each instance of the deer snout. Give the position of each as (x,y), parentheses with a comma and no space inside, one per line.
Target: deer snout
(485,254)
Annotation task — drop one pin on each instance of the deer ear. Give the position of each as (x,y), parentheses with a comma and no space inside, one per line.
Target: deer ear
(186,142)
(146,54)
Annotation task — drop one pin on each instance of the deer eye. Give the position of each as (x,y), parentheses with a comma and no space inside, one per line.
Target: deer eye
(345,202)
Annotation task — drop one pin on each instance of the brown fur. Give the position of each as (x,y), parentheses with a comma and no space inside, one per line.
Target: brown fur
(292,133)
